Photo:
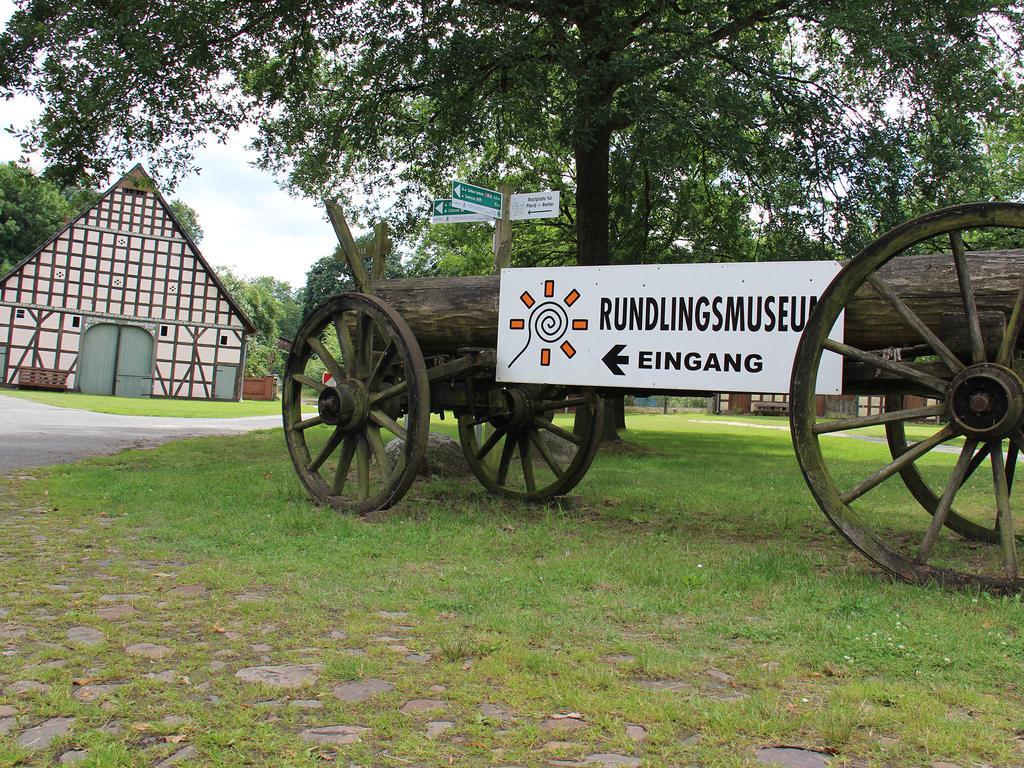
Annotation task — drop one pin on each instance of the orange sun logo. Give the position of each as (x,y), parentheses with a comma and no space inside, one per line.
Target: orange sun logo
(549,321)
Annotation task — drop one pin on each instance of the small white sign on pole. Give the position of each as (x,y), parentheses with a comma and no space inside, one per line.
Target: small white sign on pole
(711,327)
(535,205)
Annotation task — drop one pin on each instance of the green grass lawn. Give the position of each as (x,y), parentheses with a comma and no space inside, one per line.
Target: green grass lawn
(695,590)
(145,406)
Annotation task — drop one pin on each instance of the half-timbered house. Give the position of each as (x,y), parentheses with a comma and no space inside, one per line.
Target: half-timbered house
(121,302)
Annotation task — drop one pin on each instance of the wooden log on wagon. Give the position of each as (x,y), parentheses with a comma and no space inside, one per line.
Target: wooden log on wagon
(446,314)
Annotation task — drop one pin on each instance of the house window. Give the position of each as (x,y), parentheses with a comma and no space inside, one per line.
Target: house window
(76,321)
(163,331)
(19,313)
(223,339)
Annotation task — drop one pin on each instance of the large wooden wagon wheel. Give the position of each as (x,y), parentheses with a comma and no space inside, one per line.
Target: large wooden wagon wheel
(378,376)
(970,459)
(522,453)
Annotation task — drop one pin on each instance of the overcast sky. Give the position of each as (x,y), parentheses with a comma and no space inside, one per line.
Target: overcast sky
(248,222)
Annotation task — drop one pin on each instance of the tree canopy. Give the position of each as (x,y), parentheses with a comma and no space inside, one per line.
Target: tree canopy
(273,309)
(331,274)
(188,218)
(691,130)
(31,209)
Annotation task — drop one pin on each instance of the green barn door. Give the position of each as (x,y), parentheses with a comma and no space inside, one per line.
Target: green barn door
(116,360)
(134,363)
(96,359)
(224,382)
(3,365)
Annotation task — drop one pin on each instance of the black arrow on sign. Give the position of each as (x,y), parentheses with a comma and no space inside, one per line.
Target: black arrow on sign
(544,210)
(613,360)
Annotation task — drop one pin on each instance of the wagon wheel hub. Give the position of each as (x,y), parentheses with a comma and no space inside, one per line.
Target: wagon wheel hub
(346,405)
(519,410)
(986,401)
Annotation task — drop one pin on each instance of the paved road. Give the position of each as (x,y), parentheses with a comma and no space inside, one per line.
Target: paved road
(35,435)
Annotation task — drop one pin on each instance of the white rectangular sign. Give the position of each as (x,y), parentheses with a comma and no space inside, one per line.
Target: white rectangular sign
(712,327)
(535,205)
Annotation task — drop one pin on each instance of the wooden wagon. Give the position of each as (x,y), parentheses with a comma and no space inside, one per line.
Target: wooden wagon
(933,309)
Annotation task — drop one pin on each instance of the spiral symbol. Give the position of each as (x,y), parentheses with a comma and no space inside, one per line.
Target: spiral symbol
(549,321)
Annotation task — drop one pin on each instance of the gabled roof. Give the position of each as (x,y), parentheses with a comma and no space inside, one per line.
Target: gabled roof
(137,178)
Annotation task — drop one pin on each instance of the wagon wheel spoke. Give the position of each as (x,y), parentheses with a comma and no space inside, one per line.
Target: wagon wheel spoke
(477,421)
(910,318)
(1009,469)
(527,461)
(492,440)
(956,481)
(364,345)
(904,371)
(344,462)
(977,461)
(1006,534)
(312,421)
(915,452)
(545,453)
(362,467)
(1012,452)
(383,364)
(332,365)
(373,436)
(841,425)
(344,341)
(1017,438)
(308,381)
(963,276)
(394,390)
(1012,333)
(554,429)
(381,419)
(506,459)
(329,447)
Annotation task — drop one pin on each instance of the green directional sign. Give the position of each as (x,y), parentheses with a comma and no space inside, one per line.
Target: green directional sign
(469,197)
(443,212)
(443,207)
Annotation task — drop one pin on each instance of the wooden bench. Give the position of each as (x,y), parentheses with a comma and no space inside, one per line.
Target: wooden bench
(42,378)
(768,407)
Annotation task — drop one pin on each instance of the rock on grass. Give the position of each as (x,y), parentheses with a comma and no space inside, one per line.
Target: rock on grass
(281,675)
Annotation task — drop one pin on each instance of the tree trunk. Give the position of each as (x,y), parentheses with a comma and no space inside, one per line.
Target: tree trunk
(592,235)
(592,199)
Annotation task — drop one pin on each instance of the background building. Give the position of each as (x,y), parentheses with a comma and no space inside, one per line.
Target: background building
(120,301)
